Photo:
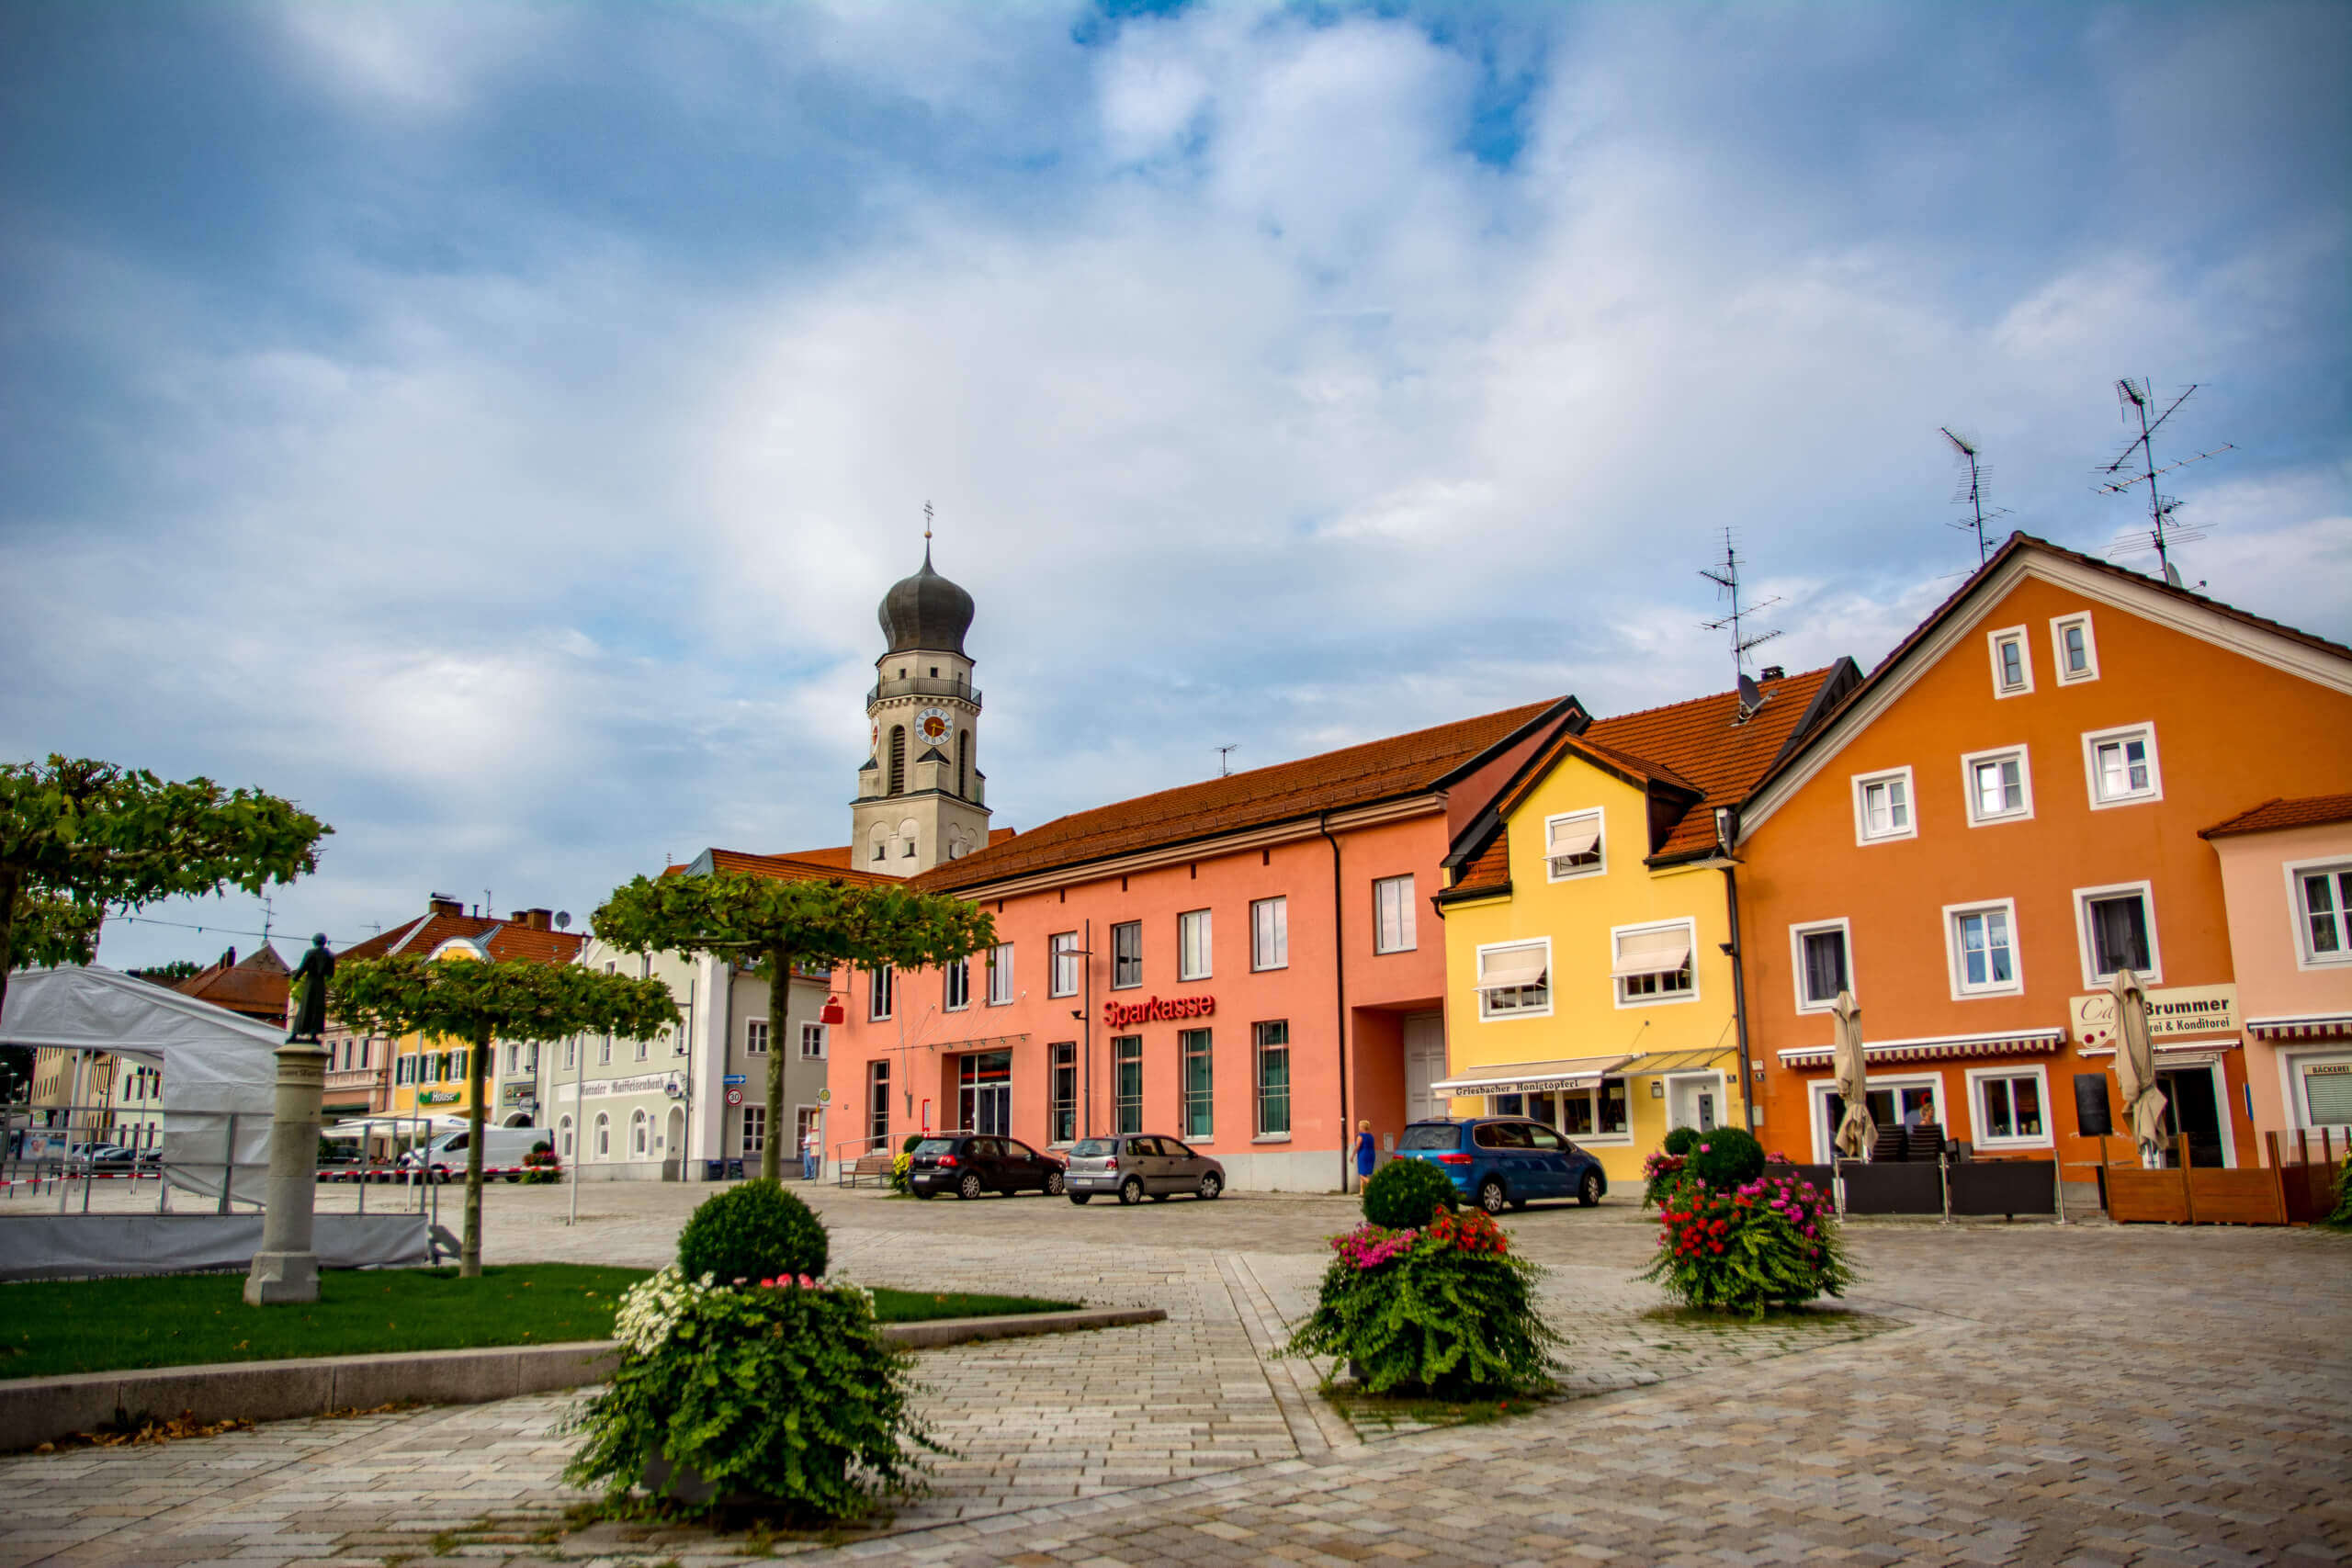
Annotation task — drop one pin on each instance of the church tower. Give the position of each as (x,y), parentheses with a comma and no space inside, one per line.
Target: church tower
(921,796)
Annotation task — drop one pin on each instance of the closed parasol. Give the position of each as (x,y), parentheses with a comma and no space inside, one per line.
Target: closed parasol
(2135,1068)
(1855,1130)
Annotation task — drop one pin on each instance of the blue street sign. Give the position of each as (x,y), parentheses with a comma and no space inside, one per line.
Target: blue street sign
(733,1078)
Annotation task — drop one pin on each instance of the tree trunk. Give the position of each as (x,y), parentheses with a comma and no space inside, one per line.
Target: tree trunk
(779,1025)
(470,1254)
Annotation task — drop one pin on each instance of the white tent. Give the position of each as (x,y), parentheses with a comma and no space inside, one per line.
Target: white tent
(219,1070)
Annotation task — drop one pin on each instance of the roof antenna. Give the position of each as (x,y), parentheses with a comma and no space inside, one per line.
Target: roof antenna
(2136,465)
(1973,493)
(1224,760)
(1726,582)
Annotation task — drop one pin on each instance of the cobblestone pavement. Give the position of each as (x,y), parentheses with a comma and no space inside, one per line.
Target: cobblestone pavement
(2028,1394)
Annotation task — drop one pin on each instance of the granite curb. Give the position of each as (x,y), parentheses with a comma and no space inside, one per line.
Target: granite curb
(39,1410)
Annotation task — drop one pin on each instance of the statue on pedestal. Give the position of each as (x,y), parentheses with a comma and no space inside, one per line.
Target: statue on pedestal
(309,980)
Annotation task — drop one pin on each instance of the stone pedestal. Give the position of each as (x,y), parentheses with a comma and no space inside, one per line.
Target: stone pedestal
(285,1269)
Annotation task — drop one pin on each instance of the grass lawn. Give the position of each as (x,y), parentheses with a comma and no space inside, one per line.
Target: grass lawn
(53,1326)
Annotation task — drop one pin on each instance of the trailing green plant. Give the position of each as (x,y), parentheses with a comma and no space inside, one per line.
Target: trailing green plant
(1680,1141)
(1404,1193)
(2340,1217)
(781,1389)
(751,1232)
(1726,1157)
(1443,1310)
(1770,1242)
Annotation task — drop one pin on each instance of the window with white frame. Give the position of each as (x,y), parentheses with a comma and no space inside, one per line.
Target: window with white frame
(812,1042)
(879,996)
(1883,807)
(563,1138)
(2071,649)
(2324,1085)
(756,1129)
(604,1135)
(643,1045)
(755,1037)
(1572,845)
(2118,926)
(1061,969)
(1822,955)
(2012,662)
(2121,765)
(1193,945)
(1653,964)
(2324,912)
(2009,1107)
(1391,915)
(1001,975)
(1270,933)
(1983,943)
(957,982)
(1998,784)
(1126,956)
(605,1052)
(514,1056)
(1514,979)
(639,1129)
(570,1051)
(1597,1114)
(1271,1043)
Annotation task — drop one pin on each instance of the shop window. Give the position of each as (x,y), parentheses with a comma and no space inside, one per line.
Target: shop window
(1883,808)
(1654,964)
(1200,1083)
(1392,912)
(1001,975)
(1126,956)
(1270,934)
(1126,1053)
(2119,932)
(1573,845)
(2009,1108)
(1514,979)
(2325,896)
(1193,945)
(1982,950)
(2122,764)
(2012,663)
(2072,647)
(1272,1045)
(1061,1122)
(755,1037)
(1600,1112)
(958,980)
(1061,965)
(1998,786)
(2327,1083)
(1824,966)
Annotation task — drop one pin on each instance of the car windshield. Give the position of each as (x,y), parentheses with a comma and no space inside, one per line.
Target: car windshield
(1093,1148)
(1429,1135)
(936,1146)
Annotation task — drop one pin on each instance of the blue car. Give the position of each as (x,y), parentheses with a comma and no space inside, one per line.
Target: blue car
(1501,1162)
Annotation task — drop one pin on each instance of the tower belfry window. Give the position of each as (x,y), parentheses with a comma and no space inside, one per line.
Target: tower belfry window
(897,759)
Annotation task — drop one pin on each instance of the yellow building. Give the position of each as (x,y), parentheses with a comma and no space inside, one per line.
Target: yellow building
(1590,977)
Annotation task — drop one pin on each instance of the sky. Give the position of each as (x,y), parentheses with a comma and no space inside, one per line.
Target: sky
(492,426)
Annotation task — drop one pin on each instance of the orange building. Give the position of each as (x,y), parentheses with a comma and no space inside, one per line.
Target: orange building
(2005,813)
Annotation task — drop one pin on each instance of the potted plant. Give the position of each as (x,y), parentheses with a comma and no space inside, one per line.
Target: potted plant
(1741,1233)
(1422,1300)
(749,1380)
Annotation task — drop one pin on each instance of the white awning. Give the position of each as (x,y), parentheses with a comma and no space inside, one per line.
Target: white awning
(1574,836)
(1532,1078)
(1653,953)
(1509,968)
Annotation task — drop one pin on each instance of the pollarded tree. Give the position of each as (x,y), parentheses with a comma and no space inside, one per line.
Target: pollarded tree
(775,925)
(79,837)
(479,1001)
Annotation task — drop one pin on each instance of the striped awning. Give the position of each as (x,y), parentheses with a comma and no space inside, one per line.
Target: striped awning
(1532,1077)
(1935,1048)
(2302,1026)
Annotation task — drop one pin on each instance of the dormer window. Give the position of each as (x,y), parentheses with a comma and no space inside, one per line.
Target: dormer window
(1572,845)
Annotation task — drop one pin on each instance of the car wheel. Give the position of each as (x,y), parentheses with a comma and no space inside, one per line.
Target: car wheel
(1588,1193)
(1053,1184)
(1080,1197)
(1492,1198)
(970,1186)
(1131,1190)
(1210,1185)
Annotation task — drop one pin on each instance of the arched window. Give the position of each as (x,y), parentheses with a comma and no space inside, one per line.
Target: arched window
(604,1135)
(637,1134)
(964,763)
(563,1138)
(881,841)
(897,759)
(908,831)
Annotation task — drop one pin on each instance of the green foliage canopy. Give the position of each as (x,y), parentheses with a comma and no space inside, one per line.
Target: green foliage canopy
(482,1001)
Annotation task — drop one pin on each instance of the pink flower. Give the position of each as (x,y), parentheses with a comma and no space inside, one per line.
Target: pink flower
(767,1284)
(806,1283)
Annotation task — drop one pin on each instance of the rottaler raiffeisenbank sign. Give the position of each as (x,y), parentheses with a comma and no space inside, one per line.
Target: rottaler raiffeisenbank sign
(2173,1013)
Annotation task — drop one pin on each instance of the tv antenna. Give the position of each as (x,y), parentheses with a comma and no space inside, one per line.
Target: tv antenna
(1726,582)
(2136,465)
(1224,760)
(1972,493)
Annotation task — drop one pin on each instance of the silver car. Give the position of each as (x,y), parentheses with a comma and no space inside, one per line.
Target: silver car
(1135,1164)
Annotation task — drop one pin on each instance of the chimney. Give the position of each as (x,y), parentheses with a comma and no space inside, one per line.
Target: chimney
(1774,672)
(539,920)
(441,904)
(229,959)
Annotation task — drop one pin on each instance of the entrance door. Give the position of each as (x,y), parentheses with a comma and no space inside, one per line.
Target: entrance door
(984,1082)
(673,1144)
(1424,1065)
(2190,1108)
(1694,1102)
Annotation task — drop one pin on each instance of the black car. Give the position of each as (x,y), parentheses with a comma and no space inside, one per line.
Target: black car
(968,1164)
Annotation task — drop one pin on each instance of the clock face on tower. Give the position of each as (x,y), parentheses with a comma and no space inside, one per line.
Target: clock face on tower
(933,726)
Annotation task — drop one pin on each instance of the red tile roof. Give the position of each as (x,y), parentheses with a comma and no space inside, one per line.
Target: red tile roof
(2304,811)
(1490,872)
(507,940)
(786,868)
(256,985)
(1398,766)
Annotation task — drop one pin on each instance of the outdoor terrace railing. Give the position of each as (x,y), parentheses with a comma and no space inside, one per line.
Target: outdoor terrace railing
(924,686)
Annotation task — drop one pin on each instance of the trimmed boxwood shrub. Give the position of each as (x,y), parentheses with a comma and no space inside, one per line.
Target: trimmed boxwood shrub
(1682,1140)
(752,1232)
(1404,1194)
(1724,1158)
(906,1145)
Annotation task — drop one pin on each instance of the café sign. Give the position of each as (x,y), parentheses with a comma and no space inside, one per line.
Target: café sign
(1154,1010)
(2174,1013)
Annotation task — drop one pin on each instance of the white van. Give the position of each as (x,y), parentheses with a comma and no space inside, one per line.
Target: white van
(501,1146)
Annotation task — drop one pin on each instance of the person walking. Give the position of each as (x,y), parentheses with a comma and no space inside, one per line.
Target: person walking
(810,1153)
(1367,1151)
